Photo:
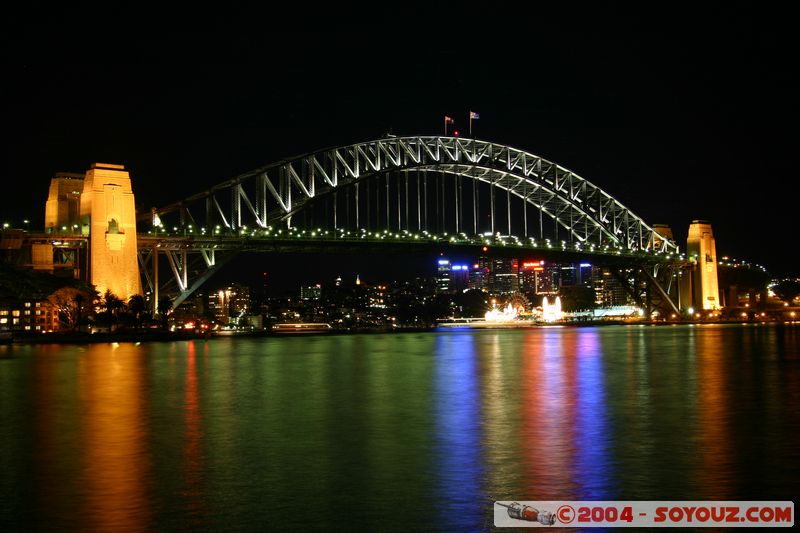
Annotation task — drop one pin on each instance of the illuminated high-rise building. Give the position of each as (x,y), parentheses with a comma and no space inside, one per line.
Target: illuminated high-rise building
(702,250)
(547,279)
(528,273)
(505,275)
(459,277)
(480,274)
(585,275)
(609,291)
(479,277)
(568,275)
(443,276)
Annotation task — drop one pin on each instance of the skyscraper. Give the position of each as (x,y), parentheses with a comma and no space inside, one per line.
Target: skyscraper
(505,275)
(443,276)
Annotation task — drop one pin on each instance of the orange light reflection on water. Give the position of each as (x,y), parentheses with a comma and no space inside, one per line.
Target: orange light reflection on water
(714,475)
(192,452)
(115,461)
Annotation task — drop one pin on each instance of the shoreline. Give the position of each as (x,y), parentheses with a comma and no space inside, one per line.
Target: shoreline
(171,336)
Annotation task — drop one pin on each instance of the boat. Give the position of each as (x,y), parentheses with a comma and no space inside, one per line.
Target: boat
(301,327)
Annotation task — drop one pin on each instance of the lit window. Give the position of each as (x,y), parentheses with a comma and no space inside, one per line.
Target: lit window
(27,304)
(15,320)
(38,312)
(38,304)
(27,328)
(27,312)
(15,312)
(3,312)
(3,321)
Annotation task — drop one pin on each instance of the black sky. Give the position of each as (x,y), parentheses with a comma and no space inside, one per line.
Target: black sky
(679,119)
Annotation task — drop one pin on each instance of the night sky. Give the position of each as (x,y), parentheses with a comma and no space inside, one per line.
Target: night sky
(690,118)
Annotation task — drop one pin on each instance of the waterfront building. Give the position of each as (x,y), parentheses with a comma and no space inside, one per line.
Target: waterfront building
(504,276)
(34,316)
(311,292)
(568,275)
(547,280)
(459,278)
(529,273)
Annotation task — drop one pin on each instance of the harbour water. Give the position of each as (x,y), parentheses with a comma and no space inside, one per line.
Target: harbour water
(398,432)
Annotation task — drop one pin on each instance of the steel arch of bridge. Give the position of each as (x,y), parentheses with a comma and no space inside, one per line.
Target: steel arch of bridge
(273,194)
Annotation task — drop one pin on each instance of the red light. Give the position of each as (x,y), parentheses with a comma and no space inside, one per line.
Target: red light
(485,248)
(455,133)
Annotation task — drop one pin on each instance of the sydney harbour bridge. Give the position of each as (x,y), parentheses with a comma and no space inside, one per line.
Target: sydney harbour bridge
(410,193)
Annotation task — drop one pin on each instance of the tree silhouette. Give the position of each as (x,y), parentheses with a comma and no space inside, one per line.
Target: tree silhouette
(576,298)
(787,290)
(164,308)
(112,302)
(137,307)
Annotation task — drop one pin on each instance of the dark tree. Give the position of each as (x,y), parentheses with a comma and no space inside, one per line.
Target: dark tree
(576,298)
(787,290)
(473,303)
(112,303)
(164,308)
(137,307)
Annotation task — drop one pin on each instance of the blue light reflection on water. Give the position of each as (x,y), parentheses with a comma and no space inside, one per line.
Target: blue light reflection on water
(591,466)
(459,463)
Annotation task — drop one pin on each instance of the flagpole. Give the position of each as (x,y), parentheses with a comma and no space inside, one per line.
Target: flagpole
(470,123)
(445,126)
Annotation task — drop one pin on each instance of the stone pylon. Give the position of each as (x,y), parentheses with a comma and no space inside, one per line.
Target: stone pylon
(108,217)
(701,248)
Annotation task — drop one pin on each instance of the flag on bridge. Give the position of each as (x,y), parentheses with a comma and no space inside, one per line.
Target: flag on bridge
(472,116)
(447,120)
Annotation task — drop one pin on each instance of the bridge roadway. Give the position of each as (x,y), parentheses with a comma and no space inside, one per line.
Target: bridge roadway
(332,242)
(342,241)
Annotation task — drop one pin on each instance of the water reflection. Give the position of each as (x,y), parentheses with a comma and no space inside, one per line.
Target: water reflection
(115,462)
(591,467)
(192,449)
(499,369)
(547,414)
(459,462)
(713,474)
(392,432)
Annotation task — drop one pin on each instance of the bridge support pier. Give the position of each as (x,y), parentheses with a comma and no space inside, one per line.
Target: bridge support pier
(155,281)
(649,291)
